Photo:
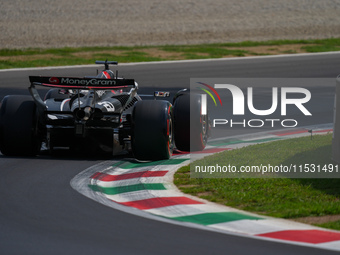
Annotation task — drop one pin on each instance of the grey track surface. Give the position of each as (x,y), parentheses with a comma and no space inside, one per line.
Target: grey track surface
(41,214)
(47,23)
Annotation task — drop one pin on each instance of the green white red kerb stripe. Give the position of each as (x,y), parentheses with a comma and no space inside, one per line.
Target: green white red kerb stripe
(148,187)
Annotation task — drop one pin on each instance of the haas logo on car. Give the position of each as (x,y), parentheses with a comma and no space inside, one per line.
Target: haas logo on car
(54,80)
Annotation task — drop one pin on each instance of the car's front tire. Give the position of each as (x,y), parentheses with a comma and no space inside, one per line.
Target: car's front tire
(191,127)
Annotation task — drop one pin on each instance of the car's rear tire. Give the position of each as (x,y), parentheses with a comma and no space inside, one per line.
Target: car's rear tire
(152,130)
(196,137)
(19,132)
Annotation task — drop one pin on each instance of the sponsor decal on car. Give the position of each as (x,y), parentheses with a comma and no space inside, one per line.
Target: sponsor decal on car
(75,81)
(54,80)
(108,106)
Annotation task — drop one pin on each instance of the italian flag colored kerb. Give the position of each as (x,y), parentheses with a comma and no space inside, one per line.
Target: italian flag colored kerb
(148,187)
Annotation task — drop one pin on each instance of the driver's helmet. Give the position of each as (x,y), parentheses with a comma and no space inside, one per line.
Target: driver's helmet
(107,74)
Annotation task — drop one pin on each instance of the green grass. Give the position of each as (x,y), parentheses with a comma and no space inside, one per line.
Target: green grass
(278,197)
(205,51)
(332,225)
(31,57)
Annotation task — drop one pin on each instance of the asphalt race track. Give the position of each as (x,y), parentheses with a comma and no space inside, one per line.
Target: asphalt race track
(41,214)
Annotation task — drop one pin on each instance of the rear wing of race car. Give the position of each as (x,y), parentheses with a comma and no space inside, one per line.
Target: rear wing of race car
(73,83)
(81,83)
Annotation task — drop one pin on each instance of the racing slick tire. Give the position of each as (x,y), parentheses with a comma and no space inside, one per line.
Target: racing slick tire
(152,130)
(19,132)
(183,118)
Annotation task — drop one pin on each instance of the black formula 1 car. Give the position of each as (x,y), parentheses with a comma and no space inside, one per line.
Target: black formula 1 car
(101,113)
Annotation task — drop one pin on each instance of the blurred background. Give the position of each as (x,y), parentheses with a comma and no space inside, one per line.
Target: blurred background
(75,23)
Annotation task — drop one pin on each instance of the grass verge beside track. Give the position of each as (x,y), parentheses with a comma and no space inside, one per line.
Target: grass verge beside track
(313,201)
(19,58)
